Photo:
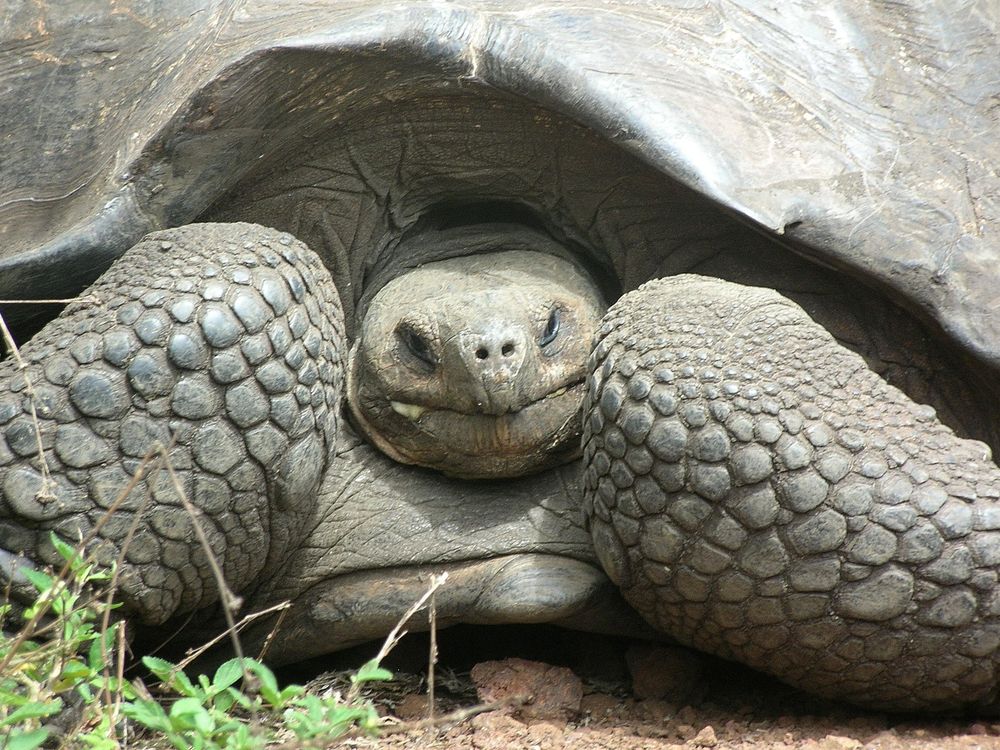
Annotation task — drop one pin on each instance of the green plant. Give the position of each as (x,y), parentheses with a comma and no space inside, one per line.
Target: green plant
(313,718)
(62,652)
(67,653)
(214,713)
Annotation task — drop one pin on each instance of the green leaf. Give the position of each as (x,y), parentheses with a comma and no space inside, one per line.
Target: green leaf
(97,657)
(148,713)
(371,671)
(191,713)
(66,551)
(225,700)
(171,675)
(101,736)
(290,692)
(73,673)
(242,739)
(41,581)
(268,682)
(32,711)
(239,697)
(228,673)
(162,668)
(27,740)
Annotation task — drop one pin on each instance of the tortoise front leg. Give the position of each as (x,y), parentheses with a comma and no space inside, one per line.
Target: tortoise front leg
(759,493)
(218,342)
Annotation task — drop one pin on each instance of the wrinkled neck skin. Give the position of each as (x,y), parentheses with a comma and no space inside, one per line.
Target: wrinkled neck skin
(476,365)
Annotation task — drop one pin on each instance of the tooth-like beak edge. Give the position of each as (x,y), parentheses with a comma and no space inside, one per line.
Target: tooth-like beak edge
(410,411)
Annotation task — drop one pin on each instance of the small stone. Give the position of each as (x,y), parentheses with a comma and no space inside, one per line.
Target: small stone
(599,705)
(704,738)
(411,707)
(547,692)
(662,672)
(838,742)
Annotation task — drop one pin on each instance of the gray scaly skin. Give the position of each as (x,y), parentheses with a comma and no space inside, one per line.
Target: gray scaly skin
(219,341)
(758,493)
(750,485)
(224,342)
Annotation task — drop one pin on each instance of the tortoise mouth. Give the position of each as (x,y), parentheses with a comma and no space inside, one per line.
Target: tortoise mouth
(542,434)
(520,588)
(414,412)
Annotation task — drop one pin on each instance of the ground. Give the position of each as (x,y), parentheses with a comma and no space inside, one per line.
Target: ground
(605,693)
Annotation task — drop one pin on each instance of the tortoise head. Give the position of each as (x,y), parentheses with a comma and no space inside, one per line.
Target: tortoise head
(476,365)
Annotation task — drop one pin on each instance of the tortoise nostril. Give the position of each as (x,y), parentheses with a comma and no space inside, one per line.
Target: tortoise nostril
(507,349)
(482,353)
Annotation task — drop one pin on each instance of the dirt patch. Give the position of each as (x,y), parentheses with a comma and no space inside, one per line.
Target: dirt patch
(606,721)
(706,703)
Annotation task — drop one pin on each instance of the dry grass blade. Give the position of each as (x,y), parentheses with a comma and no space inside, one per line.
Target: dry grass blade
(285,607)
(89,299)
(193,654)
(432,657)
(31,628)
(45,494)
(230,601)
(437,581)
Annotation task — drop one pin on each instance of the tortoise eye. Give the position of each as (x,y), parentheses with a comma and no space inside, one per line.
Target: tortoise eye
(551,329)
(417,345)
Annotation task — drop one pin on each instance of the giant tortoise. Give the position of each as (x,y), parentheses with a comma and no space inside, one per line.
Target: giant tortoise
(775,448)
